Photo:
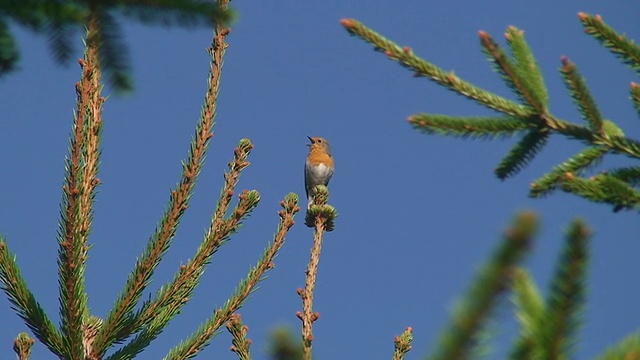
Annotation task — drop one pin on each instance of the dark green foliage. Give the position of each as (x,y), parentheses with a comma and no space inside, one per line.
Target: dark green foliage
(522,153)
(574,165)
(474,127)
(461,336)
(635,97)
(604,188)
(8,50)
(284,345)
(630,175)
(522,75)
(62,20)
(113,53)
(548,330)
(627,349)
(623,47)
(566,299)
(527,65)
(581,95)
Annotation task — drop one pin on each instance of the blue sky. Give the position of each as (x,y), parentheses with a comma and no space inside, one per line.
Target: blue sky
(418,214)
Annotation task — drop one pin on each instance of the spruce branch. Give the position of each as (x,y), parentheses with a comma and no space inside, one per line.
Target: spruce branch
(240,342)
(24,303)
(627,349)
(421,67)
(208,329)
(527,64)
(22,346)
(522,153)
(630,175)
(565,301)
(77,203)
(469,127)
(319,209)
(321,217)
(459,338)
(529,308)
(516,77)
(172,296)
(579,91)
(523,76)
(112,51)
(120,324)
(635,97)
(284,345)
(60,20)
(9,54)
(576,165)
(623,47)
(603,188)
(402,344)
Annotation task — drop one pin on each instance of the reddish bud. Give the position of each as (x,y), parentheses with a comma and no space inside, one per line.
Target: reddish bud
(348,23)
(564,60)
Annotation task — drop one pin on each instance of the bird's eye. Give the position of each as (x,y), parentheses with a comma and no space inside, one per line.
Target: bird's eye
(319,141)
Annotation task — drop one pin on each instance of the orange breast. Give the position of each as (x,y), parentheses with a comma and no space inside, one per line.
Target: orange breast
(318,156)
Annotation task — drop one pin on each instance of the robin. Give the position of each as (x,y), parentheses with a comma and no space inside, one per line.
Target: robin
(319,165)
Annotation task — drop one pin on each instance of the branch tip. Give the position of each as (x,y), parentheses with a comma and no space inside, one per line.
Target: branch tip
(348,23)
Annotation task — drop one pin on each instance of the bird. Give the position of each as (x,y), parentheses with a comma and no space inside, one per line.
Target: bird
(319,166)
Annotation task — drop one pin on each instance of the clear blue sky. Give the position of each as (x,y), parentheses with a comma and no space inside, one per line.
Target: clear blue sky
(418,214)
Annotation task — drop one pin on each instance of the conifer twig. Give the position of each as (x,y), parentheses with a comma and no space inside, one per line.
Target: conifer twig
(307,316)
(22,346)
(207,330)
(581,95)
(156,313)
(77,203)
(566,298)
(634,89)
(627,349)
(321,217)
(421,67)
(514,76)
(119,323)
(459,338)
(24,303)
(239,334)
(402,344)
(522,74)
(529,308)
(617,43)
